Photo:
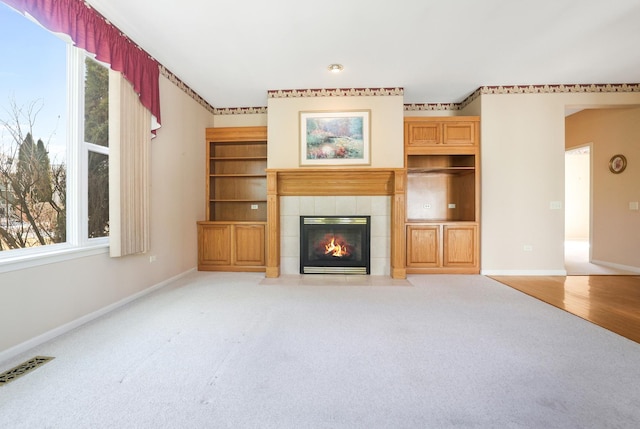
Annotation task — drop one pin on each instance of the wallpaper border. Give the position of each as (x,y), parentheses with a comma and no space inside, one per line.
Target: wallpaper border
(334,92)
(399,91)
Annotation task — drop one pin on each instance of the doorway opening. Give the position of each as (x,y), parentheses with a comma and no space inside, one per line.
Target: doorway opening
(577,221)
(578,244)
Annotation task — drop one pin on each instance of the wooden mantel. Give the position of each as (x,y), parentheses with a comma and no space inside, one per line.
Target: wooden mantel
(337,182)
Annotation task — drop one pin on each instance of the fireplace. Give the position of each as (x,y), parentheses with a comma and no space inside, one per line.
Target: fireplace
(335,244)
(290,192)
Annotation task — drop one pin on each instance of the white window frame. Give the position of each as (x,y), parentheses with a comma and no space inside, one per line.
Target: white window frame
(83,148)
(78,244)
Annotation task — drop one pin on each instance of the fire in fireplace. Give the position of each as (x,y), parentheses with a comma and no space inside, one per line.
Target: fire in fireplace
(335,244)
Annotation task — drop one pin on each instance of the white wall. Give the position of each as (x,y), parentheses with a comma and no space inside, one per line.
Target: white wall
(37,301)
(522,157)
(240,120)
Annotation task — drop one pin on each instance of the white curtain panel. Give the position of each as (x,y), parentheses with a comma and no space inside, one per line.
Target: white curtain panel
(129,142)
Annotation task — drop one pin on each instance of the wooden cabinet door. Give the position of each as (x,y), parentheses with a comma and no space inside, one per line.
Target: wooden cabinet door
(423,246)
(458,133)
(460,245)
(249,245)
(214,244)
(423,133)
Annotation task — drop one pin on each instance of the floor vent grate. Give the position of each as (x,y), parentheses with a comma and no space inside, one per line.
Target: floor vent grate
(23,368)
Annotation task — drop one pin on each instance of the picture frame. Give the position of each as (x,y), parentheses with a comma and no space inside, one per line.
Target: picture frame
(335,138)
(617,163)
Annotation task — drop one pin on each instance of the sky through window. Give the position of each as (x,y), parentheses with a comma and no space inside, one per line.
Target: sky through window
(33,69)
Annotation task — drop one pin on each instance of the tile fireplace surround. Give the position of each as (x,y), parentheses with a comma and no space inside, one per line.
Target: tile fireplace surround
(377,192)
(379,208)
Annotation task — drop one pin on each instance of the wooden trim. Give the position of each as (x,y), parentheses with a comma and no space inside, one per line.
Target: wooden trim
(335,181)
(236,134)
(442,118)
(398,214)
(331,182)
(443,270)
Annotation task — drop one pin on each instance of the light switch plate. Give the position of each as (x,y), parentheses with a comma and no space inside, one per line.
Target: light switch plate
(555,205)
(633,205)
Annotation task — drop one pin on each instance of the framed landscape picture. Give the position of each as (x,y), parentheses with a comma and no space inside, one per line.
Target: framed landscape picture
(335,138)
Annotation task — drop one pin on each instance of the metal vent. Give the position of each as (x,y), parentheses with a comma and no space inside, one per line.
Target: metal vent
(334,270)
(23,368)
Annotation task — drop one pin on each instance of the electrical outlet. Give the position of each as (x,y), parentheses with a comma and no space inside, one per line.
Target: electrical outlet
(633,205)
(152,258)
(527,248)
(426,206)
(254,207)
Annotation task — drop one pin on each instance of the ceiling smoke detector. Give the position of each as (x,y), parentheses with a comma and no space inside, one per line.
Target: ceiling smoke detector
(335,68)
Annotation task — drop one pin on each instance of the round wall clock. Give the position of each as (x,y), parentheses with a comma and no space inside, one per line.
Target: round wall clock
(617,164)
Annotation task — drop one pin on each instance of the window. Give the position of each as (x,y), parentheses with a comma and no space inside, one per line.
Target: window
(54,146)
(96,144)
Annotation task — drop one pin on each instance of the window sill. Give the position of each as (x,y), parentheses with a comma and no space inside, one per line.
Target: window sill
(49,256)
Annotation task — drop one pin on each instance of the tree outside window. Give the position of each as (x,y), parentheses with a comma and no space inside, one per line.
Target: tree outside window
(96,136)
(34,164)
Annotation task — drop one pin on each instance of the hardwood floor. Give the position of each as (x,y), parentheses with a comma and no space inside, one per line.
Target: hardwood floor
(612,302)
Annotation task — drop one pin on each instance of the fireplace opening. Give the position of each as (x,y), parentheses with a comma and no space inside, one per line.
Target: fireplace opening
(335,244)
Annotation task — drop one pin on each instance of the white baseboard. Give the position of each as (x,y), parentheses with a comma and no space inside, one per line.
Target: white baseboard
(617,266)
(523,272)
(14,351)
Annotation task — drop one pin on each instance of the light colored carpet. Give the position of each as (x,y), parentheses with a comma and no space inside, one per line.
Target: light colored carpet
(222,350)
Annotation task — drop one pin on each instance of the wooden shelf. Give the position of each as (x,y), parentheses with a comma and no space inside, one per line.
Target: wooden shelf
(236,170)
(442,204)
(238,158)
(237,201)
(429,170)
(233,236)
(435,220)
(237,175)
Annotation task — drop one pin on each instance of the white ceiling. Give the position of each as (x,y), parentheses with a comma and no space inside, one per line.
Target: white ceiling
(232,52)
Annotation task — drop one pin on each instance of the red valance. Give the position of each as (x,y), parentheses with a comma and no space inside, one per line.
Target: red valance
(91,32)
